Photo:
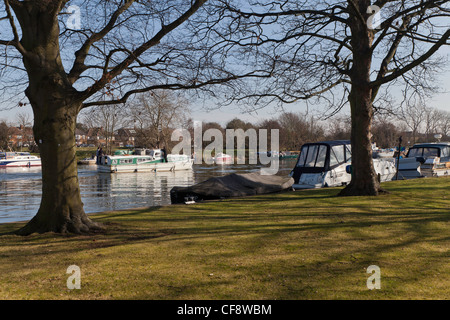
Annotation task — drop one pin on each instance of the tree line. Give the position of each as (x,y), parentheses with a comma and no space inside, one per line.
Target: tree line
(155,115)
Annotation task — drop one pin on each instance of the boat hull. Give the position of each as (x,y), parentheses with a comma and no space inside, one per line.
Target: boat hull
(339,176)
(15,164)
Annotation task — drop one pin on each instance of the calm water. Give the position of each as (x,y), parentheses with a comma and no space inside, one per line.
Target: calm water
(20,188)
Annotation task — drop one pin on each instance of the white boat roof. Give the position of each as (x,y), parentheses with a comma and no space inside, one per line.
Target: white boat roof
(124,156)
(431,144)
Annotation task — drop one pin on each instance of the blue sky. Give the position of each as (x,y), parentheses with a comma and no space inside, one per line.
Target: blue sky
(225,114)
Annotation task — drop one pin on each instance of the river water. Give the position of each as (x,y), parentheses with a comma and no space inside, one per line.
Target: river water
(20,188)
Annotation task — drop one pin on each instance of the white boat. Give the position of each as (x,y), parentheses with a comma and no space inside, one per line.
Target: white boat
(87,161)
(151,162)
(328,163)
(19,159)
(223,158)
(425,160)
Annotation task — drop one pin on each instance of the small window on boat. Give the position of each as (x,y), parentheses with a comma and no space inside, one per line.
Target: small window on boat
(321,156)
(301,159)
(333,160)
(337,155)
(415,152)
(348,153)
(445,152)
(430,152)
(311,156)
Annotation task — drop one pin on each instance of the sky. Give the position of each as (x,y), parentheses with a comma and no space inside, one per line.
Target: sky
(440,101)
(222,116)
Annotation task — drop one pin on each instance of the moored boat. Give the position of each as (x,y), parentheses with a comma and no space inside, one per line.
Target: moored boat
(223,158)
(87,161)
(328,164)
(154,161)
(288,155)
(425,160)
(19,159)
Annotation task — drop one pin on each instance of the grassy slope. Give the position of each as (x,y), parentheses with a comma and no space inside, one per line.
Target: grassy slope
(296,245)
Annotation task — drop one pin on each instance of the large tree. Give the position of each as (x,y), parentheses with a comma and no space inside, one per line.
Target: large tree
(73,52)
(340,52)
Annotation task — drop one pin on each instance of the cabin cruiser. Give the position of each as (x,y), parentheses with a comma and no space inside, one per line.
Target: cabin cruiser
(18,159)
(148,161)
(327,164)
(425,160)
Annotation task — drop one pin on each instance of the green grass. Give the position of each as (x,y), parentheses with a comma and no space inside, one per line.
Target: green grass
(295,245)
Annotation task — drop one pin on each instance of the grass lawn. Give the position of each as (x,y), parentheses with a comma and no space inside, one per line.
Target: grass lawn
(295,245)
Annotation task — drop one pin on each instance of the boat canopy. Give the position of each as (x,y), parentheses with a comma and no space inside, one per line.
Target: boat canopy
(425,150)
(322,156)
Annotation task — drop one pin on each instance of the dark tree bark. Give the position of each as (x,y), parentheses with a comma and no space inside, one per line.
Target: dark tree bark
(364,179)
(55,106)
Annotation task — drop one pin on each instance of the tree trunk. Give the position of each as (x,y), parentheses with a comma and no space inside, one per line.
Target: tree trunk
(364,179)
(61,209)
(364,182)
(56,105)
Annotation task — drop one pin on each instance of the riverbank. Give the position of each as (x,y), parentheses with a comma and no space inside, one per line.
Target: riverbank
(294,245)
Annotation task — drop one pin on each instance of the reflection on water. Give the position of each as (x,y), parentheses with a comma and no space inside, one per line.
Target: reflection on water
(20,188)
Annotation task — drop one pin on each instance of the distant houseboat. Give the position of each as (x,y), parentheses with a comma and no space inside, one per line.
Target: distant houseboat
(154,161)
(328,164)
(18,159)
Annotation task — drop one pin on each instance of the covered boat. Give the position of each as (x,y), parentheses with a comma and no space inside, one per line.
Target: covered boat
(425,160)
(328,164)
(232,185)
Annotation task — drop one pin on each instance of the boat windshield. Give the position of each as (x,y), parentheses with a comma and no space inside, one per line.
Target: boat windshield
(313,156)
(424,152)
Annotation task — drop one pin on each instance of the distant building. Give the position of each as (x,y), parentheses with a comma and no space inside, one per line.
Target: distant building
(21,136)
(80,137)
(125,137)
(96,137)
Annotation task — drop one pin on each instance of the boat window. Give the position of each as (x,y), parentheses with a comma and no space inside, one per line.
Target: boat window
(339,155)
(423,152)
(301,159)
(415,152)
(311,157)
(333,160)
(321,156)
(445,152)
(430,152)
(348,153)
